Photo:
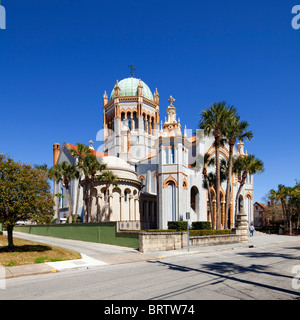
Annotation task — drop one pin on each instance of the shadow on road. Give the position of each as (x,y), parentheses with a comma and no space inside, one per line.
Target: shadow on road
(222,271)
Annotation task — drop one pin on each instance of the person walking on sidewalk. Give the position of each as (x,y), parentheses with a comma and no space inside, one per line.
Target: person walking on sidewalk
(251,230)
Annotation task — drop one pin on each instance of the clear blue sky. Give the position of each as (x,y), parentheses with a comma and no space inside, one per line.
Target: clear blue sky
(57,57)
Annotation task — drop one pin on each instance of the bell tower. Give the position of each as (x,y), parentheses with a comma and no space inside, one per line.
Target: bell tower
(173,150)
(130,120)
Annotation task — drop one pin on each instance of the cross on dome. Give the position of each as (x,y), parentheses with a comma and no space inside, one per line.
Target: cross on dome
(132,68)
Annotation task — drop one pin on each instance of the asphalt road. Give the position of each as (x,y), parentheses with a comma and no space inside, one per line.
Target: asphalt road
(263,273)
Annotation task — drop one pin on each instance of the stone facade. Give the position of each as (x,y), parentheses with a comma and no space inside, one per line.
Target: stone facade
(158,181)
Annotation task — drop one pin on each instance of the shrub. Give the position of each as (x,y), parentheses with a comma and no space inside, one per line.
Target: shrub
(73,219)
(197,233)
(177,225)
(159,230)
(201,225)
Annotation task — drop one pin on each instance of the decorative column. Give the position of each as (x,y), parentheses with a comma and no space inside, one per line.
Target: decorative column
(121,206)
(137,209)
(242,225)
(129,204)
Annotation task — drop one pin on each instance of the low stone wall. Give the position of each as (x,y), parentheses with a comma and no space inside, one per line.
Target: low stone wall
(215,240)
(165,241)
(160,241)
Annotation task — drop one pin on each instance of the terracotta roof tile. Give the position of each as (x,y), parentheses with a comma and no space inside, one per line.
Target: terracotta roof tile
(94,152)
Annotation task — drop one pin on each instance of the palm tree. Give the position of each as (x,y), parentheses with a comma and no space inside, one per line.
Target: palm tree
(210,181)
(109,178)
(213,121)
(208,162)
(80,152)
(90,166)
(59,196)
(65,172)
(281,195)
(235,129)
(243,166)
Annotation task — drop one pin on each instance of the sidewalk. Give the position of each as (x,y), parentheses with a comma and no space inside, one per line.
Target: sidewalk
(96,254)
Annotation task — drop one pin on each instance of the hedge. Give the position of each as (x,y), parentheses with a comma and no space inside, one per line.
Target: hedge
(198,233)
(177,225)
(182,225)
(201,225)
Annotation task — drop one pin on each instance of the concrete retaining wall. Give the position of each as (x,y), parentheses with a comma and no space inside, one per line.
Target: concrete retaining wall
(214,240)
(160,241)
(94,232)
(165,241)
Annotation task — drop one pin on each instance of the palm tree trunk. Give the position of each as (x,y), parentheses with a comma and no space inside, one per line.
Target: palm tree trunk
(218,199)
(284,211)
(204,172)
(228,188)
(86,204)
(83,203)
(70,203)
(212,218)
(90,204)
(77,199)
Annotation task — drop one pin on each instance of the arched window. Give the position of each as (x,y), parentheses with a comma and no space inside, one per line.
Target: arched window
(148,124)
(134,119)
(129,120)
(167,155)
(249,208)
(144,121)
(171,196)
(195,199)
(152,124)
(173,155)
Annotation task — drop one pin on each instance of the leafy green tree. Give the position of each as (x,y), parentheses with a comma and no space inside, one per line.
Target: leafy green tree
(25,193)
(65,172)
(213,121)
(288,199)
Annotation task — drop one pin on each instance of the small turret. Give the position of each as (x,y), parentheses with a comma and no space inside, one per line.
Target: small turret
(140,88)
(117,90)
(156,96)
(240,147)
(105,98)
(91,145)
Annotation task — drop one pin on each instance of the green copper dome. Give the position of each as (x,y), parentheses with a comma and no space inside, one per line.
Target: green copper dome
(129,86)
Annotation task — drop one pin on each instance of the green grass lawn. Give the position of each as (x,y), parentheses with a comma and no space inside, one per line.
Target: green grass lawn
(27,252)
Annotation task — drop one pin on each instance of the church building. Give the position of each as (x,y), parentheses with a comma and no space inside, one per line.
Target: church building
(153,160)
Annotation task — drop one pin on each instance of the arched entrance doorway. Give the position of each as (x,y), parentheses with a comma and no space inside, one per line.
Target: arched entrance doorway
(195,199)
(171,196)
